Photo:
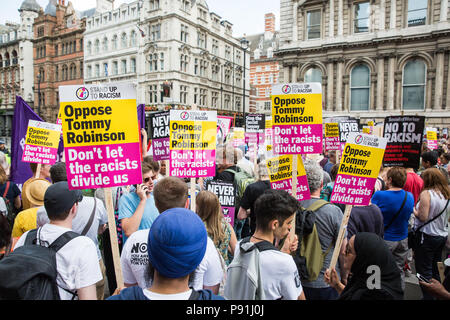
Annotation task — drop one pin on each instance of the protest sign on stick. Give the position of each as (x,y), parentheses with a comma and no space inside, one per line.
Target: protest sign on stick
(432,142)
(297,118)
(101,143)
(226,194)
(357,174)
(159,133)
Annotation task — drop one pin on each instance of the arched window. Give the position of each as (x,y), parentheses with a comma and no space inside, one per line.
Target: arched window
(105,44)
(97,46)
(89,48)
(124,40)
(133,38)
(360,88)
(313,75)
(414,82)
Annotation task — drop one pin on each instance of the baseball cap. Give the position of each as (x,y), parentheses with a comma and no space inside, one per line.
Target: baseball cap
(59,199)
(177,242)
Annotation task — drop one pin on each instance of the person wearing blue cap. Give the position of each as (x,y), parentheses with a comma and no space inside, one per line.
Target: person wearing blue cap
(176,246)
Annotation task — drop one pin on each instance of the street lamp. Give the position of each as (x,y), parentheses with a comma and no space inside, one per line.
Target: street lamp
(244,46)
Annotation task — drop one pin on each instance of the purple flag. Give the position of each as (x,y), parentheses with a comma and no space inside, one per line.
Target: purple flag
(21,171)
(141,115)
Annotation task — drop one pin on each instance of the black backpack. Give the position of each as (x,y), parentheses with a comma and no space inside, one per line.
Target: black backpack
(29,272)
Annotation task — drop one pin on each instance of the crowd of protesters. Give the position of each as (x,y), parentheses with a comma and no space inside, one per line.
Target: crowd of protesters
(168,252)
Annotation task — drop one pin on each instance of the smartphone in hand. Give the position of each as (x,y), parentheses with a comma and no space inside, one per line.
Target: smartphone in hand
(422,278)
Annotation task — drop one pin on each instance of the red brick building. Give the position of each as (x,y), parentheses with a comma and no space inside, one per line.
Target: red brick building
(264,68)
(58,54)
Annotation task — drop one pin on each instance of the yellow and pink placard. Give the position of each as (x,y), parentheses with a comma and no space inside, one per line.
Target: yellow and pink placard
(297,118)
(358,169)
(41,142)
(193,136)
(101,135)
(280,175)
(432,142)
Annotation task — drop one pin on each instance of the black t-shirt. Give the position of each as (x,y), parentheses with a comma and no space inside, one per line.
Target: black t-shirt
(13,191)
(251,194)
(365,219)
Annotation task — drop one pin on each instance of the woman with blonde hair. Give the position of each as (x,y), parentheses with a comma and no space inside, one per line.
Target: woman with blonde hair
(219,230)
(431,218)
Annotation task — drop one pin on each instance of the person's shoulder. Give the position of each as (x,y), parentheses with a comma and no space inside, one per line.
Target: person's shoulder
(131,293)
(207,294)
(138,236)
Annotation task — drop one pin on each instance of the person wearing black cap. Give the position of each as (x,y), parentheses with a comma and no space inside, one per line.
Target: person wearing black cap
(77,261)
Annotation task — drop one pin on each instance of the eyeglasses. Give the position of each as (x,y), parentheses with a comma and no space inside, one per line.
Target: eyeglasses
(146,180)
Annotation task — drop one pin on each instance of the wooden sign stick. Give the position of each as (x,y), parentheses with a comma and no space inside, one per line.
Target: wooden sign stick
(255,160)
(113,237)
(340,239)
(167,162)
(338,156)
(38,170)
(294,190)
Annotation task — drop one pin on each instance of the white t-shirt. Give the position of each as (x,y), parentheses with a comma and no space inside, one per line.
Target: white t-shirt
(279,275)
(80,221)
(439,226)
(158,296)
(134,261)
(76,262)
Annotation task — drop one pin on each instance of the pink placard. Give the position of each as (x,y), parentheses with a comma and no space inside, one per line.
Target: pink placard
(39,154)
(103,166)
(332,143)
(192,163)
(161,149)
(295,139)
(286,184)
(353,190)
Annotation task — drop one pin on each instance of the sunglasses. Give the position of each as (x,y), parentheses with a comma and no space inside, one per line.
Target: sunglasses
(146,180)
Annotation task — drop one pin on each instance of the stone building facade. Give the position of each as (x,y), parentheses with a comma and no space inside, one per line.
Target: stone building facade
(373,58)
(58,54)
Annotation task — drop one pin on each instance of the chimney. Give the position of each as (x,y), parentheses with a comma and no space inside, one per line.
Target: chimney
(269,22)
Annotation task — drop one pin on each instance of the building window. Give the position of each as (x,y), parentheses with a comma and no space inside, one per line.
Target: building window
(196,66)
(201,40)
(215,47)
(156,32)
(97,71)
(184,33)
(124,66)
(184,62)
(417,12)
(360,88)
(161,61)
(124,40)
(153,62)
(89,48)
(56,50)
(185,5)
(115,68)
(313,24)
(215,72)
(361,17)
(214,99)
(183,94)
(105,69)
(227,52)
(227,76)
(105,44)
(414,83)
(73,71)
(154,4)
(133,65)
(133,38)
(153,91)
(313,75)
(56,73)
(195,95)
(97,46)
(89,72)
(114,42)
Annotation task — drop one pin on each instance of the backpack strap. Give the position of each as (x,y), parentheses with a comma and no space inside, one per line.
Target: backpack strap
(31,237)
(398,212)
(317,205)
(6,191)
(91,219)
(63,239)
(194,295)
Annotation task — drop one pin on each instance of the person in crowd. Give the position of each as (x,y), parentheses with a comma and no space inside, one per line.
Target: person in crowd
(77,261)
(9,190)
(44,173)
(331,161)
(163,170)
(430,160)
(328,221)
(396,206)
(433,204)
(380,184)
(366,254)
(365,219)
(91,220)
(170,192)
(227,160)
(324,160)
(413,184)
(252,193)
(219,230)
(176,245)
(6,241)
(445,159)
(4,163)
(137,209)
(275,211)
(3,147)
(155,165)
(437,290)
(243,163)
(26,219)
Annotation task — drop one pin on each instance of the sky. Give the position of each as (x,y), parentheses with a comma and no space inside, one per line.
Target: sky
(247,16)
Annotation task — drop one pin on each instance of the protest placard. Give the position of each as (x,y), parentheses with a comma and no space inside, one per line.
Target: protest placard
(223,128)
(238,137)
(226,194)
(404,135)
(159,133)
(41,142)
(297,118)
(432,142)
(101,135)
(358,169)
(331,134)
(280,174)
(193,143)
(346,126)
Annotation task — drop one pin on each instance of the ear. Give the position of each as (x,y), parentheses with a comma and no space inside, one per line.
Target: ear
(74,209)
(274,224)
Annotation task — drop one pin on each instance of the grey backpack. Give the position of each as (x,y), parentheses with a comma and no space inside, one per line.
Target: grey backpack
(243,274)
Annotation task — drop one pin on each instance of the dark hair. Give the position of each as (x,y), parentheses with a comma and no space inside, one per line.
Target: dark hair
(274,205)
(431,157)
(334,171)
(154,164)
(58,172)
(170,192)
(146,167)
(433,179)
(5,232)
(33,166)
(440,151)
(446,156)
(398,176)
